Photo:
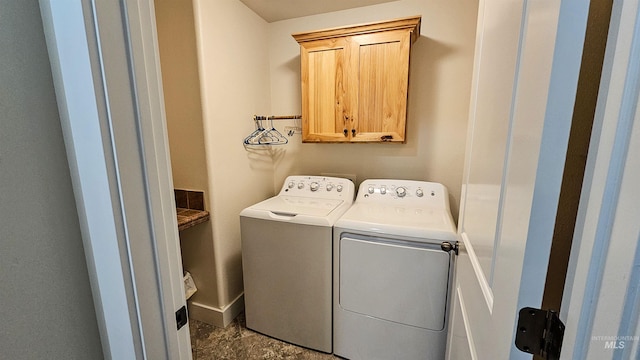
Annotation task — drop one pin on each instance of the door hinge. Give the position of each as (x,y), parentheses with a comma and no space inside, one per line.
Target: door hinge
(540,332)
(181,317)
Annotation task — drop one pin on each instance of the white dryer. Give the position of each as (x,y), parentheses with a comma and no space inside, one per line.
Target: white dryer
(287,259)
(392,272)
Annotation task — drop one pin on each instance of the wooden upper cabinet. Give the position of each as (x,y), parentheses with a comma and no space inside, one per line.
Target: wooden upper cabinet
(325,100)
(355,81)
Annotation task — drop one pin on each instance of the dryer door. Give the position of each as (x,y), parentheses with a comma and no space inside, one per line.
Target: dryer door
(399,281)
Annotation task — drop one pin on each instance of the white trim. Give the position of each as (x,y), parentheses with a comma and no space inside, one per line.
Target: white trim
(467,325)
(609,164)
(590,188)
(145,58)
(497,240)
(610,195)
(631,312)
(477,269)
(472,115)
(220,317)
(116,179)
(100,222)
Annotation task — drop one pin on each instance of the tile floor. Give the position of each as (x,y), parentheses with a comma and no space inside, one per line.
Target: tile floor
(236,342)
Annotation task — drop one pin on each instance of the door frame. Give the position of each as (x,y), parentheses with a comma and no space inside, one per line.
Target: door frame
(602,297)
(106,72)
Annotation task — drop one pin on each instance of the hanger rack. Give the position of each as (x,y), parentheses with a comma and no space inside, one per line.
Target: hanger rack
(274,117)
(268,135)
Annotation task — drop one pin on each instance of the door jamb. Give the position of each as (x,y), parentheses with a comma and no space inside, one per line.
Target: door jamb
(72,32)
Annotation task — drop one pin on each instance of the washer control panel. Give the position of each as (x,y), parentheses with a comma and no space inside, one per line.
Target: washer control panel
(407,192)
(318,186)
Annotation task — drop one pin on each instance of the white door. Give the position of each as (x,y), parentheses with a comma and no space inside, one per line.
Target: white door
(525,77)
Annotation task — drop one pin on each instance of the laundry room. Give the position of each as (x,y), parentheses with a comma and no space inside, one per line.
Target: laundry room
(222,64)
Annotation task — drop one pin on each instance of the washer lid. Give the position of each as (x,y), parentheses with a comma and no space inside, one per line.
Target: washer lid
(423,223)
(298,205)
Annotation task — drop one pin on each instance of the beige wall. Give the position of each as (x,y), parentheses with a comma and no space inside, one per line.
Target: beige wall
(234,75)
(440,82)
(183,107)
(178,55)
(215,72)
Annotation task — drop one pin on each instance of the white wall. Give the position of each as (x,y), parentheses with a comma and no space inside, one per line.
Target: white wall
(439,89)
(234,74)
(47,307)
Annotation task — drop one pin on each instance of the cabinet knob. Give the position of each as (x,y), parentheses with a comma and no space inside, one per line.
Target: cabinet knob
(353,132)
(345,132)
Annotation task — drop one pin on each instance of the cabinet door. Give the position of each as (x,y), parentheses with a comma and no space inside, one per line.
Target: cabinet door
(325,107)
(383,79)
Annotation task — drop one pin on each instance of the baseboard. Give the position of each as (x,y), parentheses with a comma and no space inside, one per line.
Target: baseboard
(220,317)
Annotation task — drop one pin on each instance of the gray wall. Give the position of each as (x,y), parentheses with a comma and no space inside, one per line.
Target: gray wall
(45,297)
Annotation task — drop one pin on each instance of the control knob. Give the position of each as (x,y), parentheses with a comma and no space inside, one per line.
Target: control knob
(300,185)
(291,184)
(314,186)
(383,190)
(371,189)
(339,188)
(329,187)
(401,192)
(419,193)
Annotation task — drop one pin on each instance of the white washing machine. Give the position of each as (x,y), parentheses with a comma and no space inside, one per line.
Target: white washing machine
(287,259)
(393,260)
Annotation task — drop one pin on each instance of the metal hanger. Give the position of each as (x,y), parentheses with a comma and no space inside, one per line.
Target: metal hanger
(263,136)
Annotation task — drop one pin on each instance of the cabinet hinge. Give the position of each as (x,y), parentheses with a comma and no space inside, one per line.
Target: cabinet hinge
(181,317)
(540,332)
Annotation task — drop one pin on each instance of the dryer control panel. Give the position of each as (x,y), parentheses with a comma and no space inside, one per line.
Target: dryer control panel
(408,192)
(318,186)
